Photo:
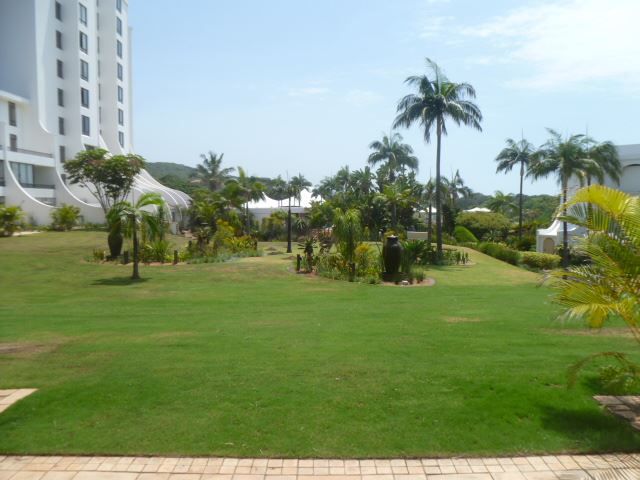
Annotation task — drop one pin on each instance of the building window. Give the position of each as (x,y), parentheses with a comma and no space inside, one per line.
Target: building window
(60,97)
(120,95)
(13,120)
(84,70)
(13,142)
(119,48)
(120,117)
(119,5)
(84,42)
(86,125)
(121,138)
(61,125)
(24,172)
(63,154)
(58,11)
(60,68)
(83,14)
(119,26)
(120,72)
(59,39)
(84,97)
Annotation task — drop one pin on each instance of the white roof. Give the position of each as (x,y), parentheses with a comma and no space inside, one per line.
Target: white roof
(479,210)
(270,203)
(555,228)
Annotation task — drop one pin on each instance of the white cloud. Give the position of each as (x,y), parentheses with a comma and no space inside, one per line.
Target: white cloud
(569,44)
(307,91)
(435,25)
(361,98)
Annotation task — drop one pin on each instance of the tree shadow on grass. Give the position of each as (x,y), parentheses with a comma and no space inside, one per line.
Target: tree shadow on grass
(118,281)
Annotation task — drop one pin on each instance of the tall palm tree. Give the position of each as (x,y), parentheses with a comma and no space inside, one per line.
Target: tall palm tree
(607,163)
(249,189)
(298,183)
(502,202)
(210,172)
(134,219)
(428,197)
(437,101)
(566,158)
(394,155)
(513,154)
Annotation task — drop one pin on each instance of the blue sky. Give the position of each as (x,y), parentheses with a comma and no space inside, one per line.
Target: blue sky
(305,86)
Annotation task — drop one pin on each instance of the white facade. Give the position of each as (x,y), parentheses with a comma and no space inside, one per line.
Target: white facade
(65,86)
(548,239)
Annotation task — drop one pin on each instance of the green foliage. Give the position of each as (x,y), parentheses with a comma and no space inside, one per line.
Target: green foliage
(540,261)
(158,170)
(484,224)
(157,251)
(463,234)
(500,251)
(11,218)
(274,227)
(348,232)
(308,246)
(65,217)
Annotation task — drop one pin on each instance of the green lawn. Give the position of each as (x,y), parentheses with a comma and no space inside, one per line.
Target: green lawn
(245,358)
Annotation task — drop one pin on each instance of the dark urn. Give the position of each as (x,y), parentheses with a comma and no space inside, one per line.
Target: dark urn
(392,254)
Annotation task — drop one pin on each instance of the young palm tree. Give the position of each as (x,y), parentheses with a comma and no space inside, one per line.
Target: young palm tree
(567,157)
(516,153)
(249,189)
(456,189)
(210,173)
(502,203)
(437,101)
(136,218)
(394,155)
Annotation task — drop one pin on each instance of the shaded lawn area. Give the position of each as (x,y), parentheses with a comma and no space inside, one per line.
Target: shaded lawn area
(245,358)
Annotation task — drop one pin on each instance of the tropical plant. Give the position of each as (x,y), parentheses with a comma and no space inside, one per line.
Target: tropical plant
(210,172)
(135,218)
(249,189)
(572,157)
(455,189)
(394,156)
(10,219)
(308,246)
(502,203)
(65,217)
(516,153)
(438,100)
(348,231)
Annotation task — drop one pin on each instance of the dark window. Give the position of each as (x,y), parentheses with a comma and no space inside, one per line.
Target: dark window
(119,26)
(83,14)
(58,11)
(63,154)
(13,120)
(60,68)
(13,142)
(120,117)
(84,70)
(121,138)
(119,5)
(84,42)
(61,125)
(86,125)
(84,97)
(60,97)
(59,39)
(119,48)
(120,95)
(120,72)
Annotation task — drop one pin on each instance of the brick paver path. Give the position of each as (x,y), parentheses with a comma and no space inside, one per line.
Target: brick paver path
(589,467)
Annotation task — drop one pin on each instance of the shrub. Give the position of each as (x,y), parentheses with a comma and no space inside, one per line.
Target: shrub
(500,251)
(65,217)
(481,224)
(463,235)
(524,244)
(10,220)
(540,261)
(157,251)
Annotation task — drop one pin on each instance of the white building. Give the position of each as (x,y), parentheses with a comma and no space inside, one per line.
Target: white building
(548,239)
(262,209)
(65,86)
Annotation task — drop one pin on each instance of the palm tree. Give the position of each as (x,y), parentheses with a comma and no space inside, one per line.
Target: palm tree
(428,197)
(395,195)
(456,189)
(299,183)
(249,189)
(513,154)
(438,100)
(502,203)
(606,161)
(569,157)
(134,219)
(210,173)
(394,155)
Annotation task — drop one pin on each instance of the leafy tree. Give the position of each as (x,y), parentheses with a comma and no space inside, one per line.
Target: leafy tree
(516,153)
(566,158)
(394,156)
(65,217)
(10,219)
(482,224)
(210,172)
(438,100)
(136,218)
(502,203)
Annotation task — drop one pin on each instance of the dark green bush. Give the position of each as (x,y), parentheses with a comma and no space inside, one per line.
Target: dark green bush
(464,235)
(500,251)
(540,261)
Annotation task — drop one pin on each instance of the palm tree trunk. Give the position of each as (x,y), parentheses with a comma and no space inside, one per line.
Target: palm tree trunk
(438,194)
(429,226)
(289,227)
(248,221)
(565,228)
(394,216)
(136,272)
(520,201)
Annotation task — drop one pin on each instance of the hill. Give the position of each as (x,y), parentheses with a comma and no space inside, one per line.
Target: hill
(162,169)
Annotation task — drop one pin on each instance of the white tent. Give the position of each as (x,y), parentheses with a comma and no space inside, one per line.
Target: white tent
(264,208)
(478,210)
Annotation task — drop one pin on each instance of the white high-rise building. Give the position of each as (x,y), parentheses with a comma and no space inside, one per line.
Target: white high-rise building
(65,86)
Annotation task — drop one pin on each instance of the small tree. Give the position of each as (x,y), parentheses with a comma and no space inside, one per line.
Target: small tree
(10,220)
(65,217)
(133,219)
(348,231)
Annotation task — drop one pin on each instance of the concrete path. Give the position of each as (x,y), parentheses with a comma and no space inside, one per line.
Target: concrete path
(588,467)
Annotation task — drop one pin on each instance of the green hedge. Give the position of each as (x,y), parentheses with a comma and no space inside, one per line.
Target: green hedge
(464,235)
(540,261)
(499,251)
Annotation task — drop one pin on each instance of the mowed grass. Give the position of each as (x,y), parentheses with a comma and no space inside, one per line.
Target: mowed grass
(245,358)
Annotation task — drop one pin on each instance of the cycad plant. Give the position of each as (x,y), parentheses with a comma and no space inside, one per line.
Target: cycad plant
(348,231)
(134,219)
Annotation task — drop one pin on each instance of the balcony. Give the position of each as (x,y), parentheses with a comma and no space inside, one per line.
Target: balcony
(23,155)
(37,185)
